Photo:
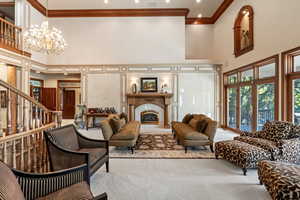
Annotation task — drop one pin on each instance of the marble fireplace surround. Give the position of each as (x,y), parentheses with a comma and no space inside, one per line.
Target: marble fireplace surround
(147,101)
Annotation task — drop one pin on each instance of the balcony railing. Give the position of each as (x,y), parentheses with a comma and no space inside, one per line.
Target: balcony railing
(11,37)
(22,122)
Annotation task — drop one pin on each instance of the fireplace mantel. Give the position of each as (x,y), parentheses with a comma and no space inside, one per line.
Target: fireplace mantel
(160,99)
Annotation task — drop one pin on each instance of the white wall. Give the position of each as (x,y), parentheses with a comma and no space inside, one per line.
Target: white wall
(276,29)
(36,18)
(199,41)
(196,94)
(104,90)
(129,40)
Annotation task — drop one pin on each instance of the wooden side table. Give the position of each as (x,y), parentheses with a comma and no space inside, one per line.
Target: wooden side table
(93,116)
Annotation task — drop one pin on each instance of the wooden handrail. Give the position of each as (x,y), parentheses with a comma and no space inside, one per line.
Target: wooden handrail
(22,94)
(27,133)
(9,23)
(22,143)
(11,37)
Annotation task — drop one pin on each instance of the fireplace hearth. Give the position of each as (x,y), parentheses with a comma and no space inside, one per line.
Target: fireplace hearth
(149,117)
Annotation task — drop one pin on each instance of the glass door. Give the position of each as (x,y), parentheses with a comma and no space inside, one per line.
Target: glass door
(231,109)
(296,101)
(265,104)
(246,108)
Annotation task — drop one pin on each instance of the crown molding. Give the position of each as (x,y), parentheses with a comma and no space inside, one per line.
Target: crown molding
(120,12)
(38,6)
(7,4)
(210,20)
(134,13)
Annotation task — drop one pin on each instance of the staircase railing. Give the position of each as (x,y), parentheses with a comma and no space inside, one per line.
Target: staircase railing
(11,37)
(22,122)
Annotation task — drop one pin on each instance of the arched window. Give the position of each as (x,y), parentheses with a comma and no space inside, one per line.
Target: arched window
(243,31)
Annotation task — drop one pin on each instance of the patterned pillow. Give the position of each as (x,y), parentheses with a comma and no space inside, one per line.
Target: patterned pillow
(295,131)
(187,118)
(277,130)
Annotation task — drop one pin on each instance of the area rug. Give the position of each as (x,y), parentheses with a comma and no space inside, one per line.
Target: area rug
(160,146)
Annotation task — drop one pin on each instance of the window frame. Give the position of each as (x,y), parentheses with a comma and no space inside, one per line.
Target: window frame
(288,76)
(254,84)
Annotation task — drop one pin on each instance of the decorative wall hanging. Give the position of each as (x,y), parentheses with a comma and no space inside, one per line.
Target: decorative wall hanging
(243,31)
(148,84)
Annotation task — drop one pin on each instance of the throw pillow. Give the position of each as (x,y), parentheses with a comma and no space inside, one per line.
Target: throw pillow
(107,131)
(124,115)
(295,131)
(117,124)
(187,118)
(202,125)
(277,130)
(194,123)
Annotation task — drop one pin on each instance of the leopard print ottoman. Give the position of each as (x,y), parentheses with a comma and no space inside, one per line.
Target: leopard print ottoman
(241,154)
(282,180)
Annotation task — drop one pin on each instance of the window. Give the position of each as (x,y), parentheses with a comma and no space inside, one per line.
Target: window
(251,98)
(296,63)
(232,79)
(266,71)
(247,75)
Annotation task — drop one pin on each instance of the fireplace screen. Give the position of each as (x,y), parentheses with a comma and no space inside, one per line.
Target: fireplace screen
(149,117)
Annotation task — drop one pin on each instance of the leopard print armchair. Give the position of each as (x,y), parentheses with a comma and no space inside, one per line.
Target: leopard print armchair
(282,139)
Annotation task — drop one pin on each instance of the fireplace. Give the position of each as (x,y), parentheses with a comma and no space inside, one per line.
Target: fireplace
(162,100)
(149,117)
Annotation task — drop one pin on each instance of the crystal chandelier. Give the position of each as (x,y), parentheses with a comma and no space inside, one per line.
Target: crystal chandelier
(44,39)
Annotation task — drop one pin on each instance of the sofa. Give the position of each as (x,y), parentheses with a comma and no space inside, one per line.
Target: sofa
(127,134)
(282,180)
(277,141)
(68,148)
(64,184)
(195,130)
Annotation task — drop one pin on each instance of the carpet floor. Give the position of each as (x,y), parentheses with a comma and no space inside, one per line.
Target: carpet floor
(175,179)
(171,179)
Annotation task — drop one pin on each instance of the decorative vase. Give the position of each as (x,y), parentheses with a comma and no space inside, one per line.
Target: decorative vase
(134,88)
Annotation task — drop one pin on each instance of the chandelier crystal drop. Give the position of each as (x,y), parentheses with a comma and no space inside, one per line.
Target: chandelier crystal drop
(44,39)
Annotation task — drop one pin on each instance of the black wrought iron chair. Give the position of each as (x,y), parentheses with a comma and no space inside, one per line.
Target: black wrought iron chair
(68,148)
(65,184)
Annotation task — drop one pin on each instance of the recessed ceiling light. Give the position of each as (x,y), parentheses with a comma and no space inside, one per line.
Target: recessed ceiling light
(168,1)
(199,15)
(106,1)
(198,1)
(136,1)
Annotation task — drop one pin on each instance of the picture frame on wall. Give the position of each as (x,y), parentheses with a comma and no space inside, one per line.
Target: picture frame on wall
(149,84)
(3,99)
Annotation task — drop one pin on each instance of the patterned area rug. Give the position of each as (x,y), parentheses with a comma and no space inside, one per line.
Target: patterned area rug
(160,146)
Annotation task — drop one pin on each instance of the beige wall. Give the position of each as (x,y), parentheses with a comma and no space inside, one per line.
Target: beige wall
(127,40)
(198,41)
(276,29)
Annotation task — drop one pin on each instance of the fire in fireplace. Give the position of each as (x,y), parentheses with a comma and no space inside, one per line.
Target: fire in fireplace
(149,117)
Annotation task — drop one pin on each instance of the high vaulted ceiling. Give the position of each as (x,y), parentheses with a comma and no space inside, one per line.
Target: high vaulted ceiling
(206,8)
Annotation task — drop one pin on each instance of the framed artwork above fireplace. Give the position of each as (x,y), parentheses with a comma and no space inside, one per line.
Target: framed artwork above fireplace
(149,84)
